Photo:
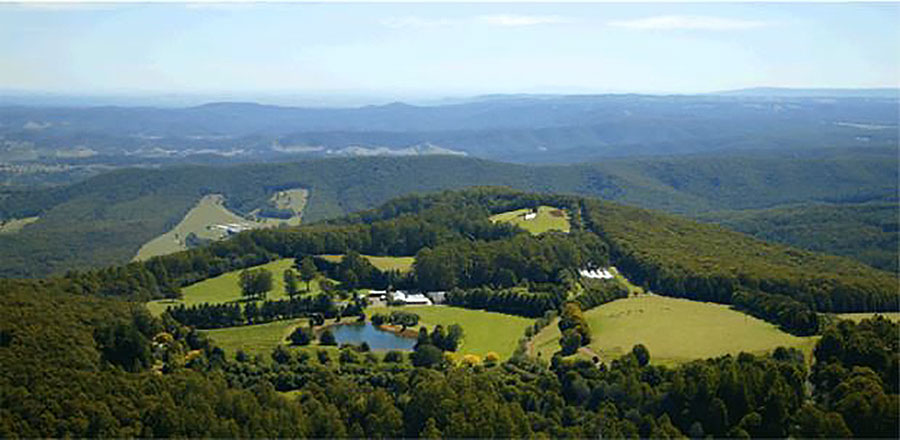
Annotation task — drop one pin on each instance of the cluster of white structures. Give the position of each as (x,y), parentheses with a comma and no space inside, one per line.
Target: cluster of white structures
(530,215)
(232,228)
(602,274)
(412,299)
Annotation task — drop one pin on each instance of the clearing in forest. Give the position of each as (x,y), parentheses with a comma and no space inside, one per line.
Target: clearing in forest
(224,288)
(14,225)
(402,264)
(254,339)
(484,331)
(211,220)
(857,317)
(546,219)
(674,330)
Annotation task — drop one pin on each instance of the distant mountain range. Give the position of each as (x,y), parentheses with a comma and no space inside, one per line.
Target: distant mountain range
(513,128)
(784,92)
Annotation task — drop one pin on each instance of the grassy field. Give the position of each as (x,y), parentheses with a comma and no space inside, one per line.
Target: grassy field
(484,331)
(856,317)
(674,330)
(548,219)
(224,288)
(210,211)
(403,264)
(16,224)
(293,199)
(254,339)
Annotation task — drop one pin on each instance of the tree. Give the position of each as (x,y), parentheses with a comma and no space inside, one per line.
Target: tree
(641,353)
(327,338)
(430,431)
(308,270)
(290,283)
(255,283)
(570,342)
(301,336)
(427,355)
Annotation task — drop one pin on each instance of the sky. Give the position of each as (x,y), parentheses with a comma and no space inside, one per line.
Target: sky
(445,49)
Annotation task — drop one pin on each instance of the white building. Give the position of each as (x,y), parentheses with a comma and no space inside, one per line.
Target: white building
(437,297)
(600,274)
(530,215)
(410,299)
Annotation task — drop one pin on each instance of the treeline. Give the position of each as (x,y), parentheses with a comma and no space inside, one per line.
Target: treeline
(791,315)
(681,258)
(209,316)
(506,263)
(856,378)
(515,301)
(599,292)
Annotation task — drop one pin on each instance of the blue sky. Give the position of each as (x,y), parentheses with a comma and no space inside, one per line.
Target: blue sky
(446,49)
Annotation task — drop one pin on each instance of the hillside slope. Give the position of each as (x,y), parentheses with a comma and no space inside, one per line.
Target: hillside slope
(105,219)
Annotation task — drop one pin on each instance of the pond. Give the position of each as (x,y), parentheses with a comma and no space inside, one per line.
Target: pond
(376,338)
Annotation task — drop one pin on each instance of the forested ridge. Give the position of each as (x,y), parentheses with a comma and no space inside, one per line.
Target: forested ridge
(80,359)
(106,219)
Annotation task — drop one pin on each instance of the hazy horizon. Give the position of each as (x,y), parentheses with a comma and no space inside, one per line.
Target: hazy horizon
(398,52)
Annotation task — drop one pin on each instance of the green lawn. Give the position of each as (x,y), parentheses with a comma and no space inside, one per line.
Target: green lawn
(856,317)
(484,331)
(548,219)
(403,264)
(224,288)
(674,330)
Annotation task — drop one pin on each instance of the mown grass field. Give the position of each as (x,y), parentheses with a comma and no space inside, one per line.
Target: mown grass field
(548,219)
(857,317)
(224,288)
(674,330)
(402,264)
(484,331)
(15,225)
(254,339)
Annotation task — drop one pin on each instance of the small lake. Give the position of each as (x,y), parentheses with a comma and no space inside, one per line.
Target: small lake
(377,339)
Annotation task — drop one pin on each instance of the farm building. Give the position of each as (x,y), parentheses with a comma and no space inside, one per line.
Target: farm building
(377,294)
(437,297)
(601,274)
(410,299)
(530,215)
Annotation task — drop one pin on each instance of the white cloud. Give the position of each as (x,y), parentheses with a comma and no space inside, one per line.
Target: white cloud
(688,22)
(522,20)
(416,22)
(504,20)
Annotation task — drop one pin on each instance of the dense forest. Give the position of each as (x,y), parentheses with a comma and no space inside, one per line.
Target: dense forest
(105,220)
(85,366)
(867,232)
(79,358)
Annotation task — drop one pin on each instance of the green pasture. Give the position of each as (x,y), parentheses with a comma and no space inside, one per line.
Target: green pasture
(254,339)
(674,330)
(857,317)
(548,219)
(484,331)
(224,288)
(402,264)
(12,226)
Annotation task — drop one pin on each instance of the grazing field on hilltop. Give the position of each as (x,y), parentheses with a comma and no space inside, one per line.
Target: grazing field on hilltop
(211,211)
(484,331)
(402,264)
(548,219)
(857,317)
(208,211)
(674,330)
(254,339)
(15,225)
(224,288)
(289,199)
